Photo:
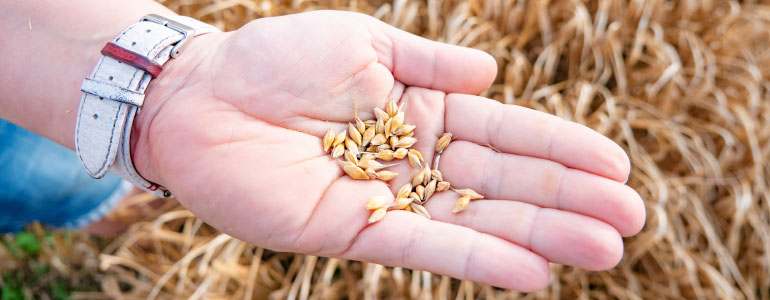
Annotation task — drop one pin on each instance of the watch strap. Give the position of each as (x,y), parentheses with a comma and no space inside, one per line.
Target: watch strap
(114,93)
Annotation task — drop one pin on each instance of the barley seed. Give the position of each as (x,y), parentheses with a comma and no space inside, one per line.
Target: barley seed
(328,140)
(376,202)
(469,192)
(338,151)
(400,153)
(405,142)
(436,174)
(420,210)
(368,136)
(443,142)
(354,134)
(386,155)
(442,186)
(386,175)
(377,215)
(461,204)
(339,139)
(430,189)
(353,171)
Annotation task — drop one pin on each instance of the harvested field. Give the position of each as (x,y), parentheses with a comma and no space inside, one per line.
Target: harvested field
(681,85)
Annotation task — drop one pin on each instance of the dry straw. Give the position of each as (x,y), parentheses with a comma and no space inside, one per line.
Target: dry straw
(681,85)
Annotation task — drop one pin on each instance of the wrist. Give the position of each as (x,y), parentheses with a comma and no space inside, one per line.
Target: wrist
(165,93)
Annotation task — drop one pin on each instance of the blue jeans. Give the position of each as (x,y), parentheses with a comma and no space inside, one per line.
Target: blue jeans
(43,181)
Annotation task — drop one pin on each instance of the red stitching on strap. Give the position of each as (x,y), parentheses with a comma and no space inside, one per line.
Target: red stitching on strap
(133,59)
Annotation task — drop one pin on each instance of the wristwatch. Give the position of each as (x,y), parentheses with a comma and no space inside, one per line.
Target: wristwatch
(114,93)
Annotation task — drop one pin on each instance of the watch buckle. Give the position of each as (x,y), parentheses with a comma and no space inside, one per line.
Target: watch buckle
(185,30)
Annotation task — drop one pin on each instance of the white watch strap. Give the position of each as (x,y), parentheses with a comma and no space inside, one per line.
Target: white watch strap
(114,93)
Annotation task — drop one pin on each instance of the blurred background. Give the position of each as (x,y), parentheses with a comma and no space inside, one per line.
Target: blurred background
(681,85)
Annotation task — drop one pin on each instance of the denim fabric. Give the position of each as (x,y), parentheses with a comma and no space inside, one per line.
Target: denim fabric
(43,181)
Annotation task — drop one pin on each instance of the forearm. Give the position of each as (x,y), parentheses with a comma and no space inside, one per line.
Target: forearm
(48,48)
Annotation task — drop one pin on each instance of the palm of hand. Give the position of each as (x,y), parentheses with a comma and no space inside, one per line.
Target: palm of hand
(239,145)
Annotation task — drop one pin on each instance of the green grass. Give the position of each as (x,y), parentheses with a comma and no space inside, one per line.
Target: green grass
(35,278)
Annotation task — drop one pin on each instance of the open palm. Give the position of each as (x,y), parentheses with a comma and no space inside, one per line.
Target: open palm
(238,141)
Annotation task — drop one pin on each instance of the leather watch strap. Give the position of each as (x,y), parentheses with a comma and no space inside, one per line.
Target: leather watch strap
(114,94)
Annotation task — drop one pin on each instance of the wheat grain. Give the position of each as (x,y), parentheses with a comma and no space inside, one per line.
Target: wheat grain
(418,178)
(381,115)
(413,195)
(443,142)
(405,142)
(386,155)
(367,136)
(353,171)
(400,153)
(425,175)
(430,189)
(461,204)
(419,209)
(398,120)
(415,159)
(379,139)
(401,203)
(360,126)
(468,192)
(354,134)
(393,141)
(420,190)
(352,146)
(379,127)
(436,174)
(372,173)
(338,151)
(371,163)
(351,158)
(404,130)
(403,192)
(377,215)
(392,108)
(388,124)
(376,202)
(442,186)
(386,175)
(339,139)
(328,140)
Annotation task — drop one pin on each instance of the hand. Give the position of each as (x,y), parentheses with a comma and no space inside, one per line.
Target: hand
(233,128)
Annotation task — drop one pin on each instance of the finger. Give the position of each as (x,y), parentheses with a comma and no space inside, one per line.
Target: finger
(543,183)
(425,63)
(519,130)
(559,236)
(338,228)
(408,240)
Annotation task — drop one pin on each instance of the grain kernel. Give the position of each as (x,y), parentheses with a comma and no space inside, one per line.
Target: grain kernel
(339,139)
(377,215)
(376,202)
(400,153)
(386,175)
(442,186)
(328,140)
(338,151)
(461,204)
(469,192)
(443,142)
(419,209)
(386,155)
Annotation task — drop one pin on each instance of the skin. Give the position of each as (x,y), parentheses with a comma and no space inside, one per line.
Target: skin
(233,128)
